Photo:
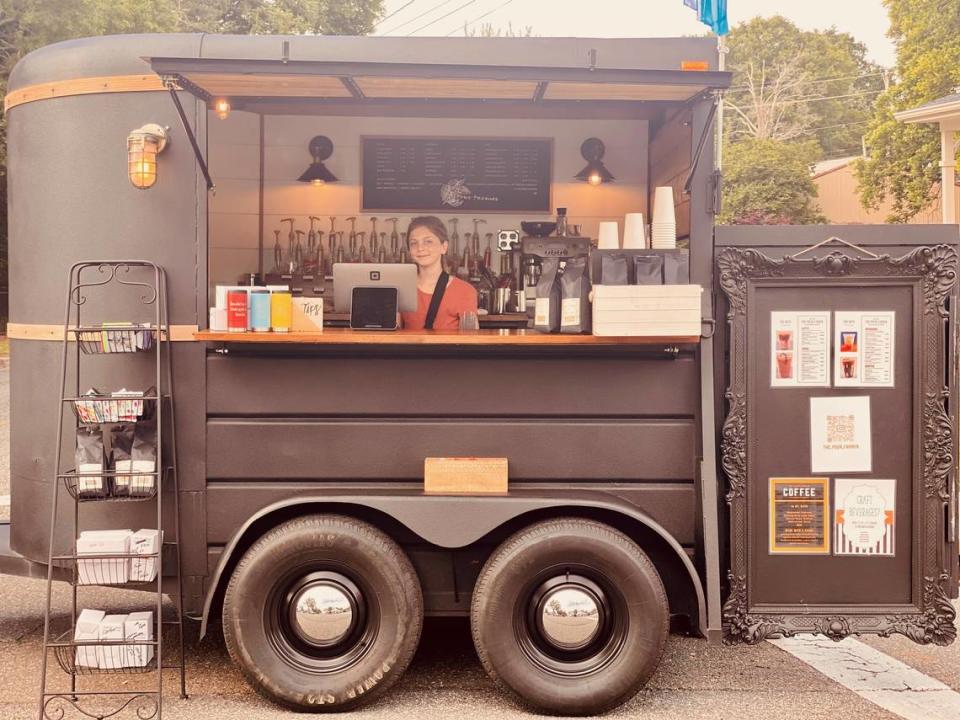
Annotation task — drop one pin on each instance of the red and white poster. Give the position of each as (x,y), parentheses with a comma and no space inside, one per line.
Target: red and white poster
(799,349)
(863,349)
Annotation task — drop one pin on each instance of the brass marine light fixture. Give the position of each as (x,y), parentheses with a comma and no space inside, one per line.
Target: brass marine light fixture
(143,146)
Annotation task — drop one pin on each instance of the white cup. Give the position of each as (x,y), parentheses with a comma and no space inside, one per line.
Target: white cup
(663,208)
(609,236)
(633,233)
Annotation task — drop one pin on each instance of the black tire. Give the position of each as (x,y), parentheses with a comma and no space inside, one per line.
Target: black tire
(373,645)
(509,617)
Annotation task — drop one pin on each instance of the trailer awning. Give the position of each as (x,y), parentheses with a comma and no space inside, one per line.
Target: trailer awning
(332,82)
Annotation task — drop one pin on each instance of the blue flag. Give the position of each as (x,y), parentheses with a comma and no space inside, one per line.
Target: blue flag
(713,13)
(693,5)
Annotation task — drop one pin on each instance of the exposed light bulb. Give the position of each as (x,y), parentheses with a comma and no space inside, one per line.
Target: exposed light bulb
(222,108)
(594,178)
(317,182)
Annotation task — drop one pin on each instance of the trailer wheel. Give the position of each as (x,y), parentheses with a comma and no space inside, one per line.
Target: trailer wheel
(323,613)
(569,616)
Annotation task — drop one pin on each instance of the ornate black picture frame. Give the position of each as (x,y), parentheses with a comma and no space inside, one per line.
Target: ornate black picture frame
(932,272)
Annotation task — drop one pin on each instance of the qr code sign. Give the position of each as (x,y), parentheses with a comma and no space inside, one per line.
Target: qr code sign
(840,428)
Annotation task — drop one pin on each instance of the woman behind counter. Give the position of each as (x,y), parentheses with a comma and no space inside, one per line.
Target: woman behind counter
(441,298)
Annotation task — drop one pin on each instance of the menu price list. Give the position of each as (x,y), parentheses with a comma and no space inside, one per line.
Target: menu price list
(456,174)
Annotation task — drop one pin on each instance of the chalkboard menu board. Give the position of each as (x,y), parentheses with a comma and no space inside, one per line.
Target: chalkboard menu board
(452,174)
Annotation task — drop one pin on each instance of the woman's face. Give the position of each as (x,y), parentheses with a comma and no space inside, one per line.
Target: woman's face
(426,249)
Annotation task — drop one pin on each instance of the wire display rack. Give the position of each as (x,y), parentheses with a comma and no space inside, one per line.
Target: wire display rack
(142,656)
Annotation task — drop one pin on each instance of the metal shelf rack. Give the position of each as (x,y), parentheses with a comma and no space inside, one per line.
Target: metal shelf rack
(85,341)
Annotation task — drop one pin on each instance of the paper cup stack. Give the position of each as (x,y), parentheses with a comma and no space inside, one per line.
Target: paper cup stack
(609,237)
(663,235)
(634,237)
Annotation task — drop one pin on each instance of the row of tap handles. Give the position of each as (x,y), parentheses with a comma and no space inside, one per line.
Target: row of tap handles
(308,252)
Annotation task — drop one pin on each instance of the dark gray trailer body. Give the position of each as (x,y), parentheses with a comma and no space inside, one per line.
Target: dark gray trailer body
(625,435)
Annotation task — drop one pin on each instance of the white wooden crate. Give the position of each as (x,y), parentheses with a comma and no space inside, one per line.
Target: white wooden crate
(647,310)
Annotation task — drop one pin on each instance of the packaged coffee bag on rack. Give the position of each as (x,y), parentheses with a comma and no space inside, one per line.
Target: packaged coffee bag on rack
(676,268)
(648,270)
(575,316)
(614,269)
(121,446)
(546,315)
(90,463)
(144,459)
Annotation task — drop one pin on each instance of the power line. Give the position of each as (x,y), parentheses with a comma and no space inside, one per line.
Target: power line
(399,9)
(481,17)
(744,88)
(434,22)
(801,101)
(417,17)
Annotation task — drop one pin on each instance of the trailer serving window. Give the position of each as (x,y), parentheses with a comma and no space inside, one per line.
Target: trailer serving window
(262,115)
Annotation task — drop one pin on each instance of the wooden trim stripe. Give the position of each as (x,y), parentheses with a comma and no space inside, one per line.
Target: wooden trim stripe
(83,86)
(29,331)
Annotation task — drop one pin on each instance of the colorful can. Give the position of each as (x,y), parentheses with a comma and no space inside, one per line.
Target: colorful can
(237,315)
(281,311)
(260,311)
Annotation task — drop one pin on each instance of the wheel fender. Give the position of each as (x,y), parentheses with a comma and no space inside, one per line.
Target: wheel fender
(453,522)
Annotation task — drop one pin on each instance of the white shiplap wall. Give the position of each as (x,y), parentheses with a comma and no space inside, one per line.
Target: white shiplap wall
(234,164)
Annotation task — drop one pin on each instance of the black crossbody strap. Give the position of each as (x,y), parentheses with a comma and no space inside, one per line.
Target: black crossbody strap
(435,301)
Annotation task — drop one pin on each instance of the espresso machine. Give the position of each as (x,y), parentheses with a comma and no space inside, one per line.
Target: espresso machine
(533,250)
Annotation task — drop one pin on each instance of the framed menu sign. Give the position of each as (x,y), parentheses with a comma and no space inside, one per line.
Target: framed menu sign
(452,174)
(811,552)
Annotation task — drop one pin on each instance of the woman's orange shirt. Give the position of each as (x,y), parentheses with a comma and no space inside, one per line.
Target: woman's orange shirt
(459,297)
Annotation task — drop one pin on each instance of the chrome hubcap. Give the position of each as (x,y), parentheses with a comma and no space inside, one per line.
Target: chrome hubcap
(323,612)
(570,617)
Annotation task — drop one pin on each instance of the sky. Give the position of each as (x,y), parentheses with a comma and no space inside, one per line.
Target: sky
(866,20)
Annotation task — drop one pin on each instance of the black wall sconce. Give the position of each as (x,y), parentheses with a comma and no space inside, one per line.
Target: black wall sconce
(321,147)
(594,173)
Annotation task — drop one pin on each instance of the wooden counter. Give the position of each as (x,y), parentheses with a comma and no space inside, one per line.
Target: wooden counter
(345,336)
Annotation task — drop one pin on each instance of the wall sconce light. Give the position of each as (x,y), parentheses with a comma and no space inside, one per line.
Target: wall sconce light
(222,108)
(594,173)
(321,147)
(143,146)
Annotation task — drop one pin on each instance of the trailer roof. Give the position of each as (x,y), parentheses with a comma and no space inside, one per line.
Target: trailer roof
(331,69)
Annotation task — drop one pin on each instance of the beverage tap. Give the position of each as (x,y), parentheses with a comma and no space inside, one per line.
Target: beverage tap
(382,256)
(291,238)
(352,238)
(404,255)
(318,253)
(394,240)
(277,253)
(476,235)
(339,254)
(454,238)
(298,250)
(362,255)
(312,235)
(465,259)
(373,236)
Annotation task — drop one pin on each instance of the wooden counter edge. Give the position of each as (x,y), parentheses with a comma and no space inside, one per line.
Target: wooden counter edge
(344,336)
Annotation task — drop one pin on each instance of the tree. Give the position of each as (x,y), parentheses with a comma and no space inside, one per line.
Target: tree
(903,161)
(793,84)
(768,182)
(26,25)
(488,30)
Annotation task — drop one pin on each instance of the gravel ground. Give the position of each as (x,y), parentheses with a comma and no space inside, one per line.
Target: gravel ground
(445,680)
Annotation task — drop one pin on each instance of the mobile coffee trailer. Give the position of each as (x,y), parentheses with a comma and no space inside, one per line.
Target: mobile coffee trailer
(788,469)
